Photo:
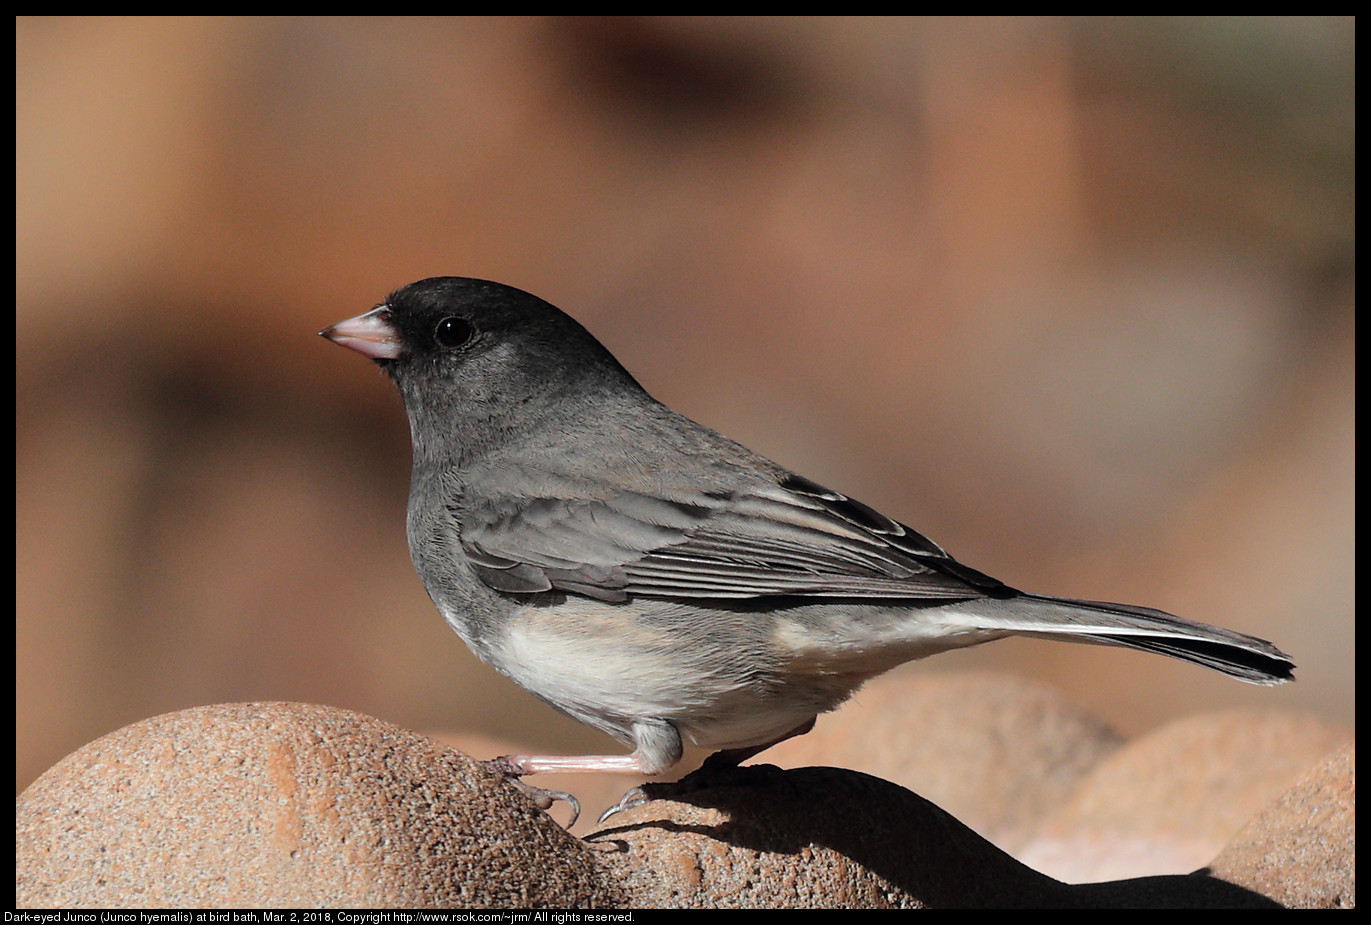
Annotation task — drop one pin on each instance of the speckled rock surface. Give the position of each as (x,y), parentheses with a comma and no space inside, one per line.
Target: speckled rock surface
(1301,850)
(278,804)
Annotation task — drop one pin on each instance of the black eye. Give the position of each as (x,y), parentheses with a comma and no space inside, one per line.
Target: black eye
(453,332)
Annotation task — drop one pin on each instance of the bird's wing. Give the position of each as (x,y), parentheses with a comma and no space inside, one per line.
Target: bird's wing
(791,537)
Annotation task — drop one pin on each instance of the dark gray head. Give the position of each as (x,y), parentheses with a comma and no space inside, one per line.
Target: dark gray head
(481,358)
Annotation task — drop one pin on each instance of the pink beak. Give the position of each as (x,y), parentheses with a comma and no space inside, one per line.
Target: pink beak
(372,335)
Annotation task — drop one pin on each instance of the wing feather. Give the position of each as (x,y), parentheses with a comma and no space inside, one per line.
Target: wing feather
(791,537)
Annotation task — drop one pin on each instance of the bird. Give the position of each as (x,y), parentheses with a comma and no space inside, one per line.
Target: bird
(656,580)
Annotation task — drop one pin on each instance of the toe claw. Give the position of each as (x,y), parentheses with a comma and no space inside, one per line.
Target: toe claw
(543,799)
(635,797)
(568,799)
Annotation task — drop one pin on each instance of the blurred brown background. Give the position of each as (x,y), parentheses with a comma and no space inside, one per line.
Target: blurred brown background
(1073,297)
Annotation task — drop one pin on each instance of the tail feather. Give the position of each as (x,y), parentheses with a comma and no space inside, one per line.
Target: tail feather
(1246,658)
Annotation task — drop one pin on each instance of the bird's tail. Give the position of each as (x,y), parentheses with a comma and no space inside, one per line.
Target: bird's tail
(1246,658)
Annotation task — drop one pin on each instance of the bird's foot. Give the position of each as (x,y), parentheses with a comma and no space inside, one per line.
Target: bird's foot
(719,769)
(543,799)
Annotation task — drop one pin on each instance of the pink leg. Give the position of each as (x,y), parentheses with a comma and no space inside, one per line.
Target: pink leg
(659,747)
(520,765)
(720,761)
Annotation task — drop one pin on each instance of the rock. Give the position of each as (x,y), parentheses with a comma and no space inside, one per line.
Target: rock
(280,804)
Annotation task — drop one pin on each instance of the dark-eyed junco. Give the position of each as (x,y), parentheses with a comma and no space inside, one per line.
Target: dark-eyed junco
(653,578)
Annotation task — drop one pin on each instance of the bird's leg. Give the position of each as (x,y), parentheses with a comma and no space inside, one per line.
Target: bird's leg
(523,765)
(659,747)
(514,767)
(715,766)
